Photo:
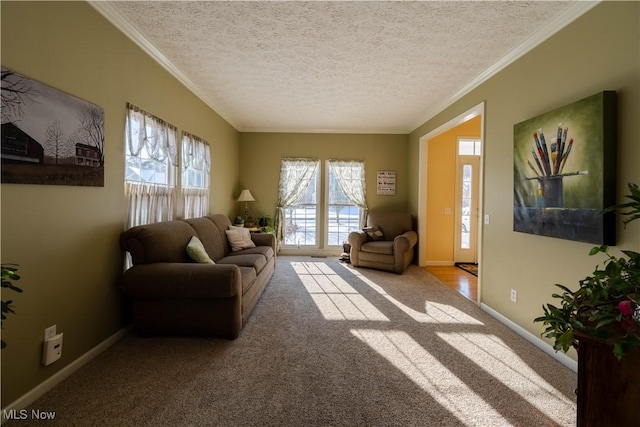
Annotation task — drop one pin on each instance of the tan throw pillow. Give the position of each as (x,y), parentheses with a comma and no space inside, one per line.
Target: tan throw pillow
(374,233)
(196,251)
(239,239)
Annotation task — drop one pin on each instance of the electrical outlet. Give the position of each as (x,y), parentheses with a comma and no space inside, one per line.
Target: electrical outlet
(514,295)
(50,332)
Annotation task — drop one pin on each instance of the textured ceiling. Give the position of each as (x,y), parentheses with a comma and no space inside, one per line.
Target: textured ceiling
(381,67)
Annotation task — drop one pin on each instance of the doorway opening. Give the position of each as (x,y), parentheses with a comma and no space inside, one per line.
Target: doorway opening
(462,210)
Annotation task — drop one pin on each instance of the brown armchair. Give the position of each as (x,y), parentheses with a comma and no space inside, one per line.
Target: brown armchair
(386,244)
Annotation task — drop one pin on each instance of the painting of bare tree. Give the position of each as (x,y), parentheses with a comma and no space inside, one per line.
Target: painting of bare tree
(48,136)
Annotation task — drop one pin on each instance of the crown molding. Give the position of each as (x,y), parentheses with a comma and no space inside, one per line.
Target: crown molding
(333,131)
(129,30)
(572,13)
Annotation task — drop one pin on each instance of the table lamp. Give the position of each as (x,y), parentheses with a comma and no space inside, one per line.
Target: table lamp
(246,197)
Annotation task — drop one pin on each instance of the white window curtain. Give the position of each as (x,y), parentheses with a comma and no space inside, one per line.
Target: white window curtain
(145,131)
(196,166)
(295,174)
(350,175)
(149,191)
(147,203)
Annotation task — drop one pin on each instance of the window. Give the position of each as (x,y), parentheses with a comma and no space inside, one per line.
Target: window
(345,199)
(297,217)
(151,156)
(466,204)
(196,164)
(469,147)
(297,211)
(301,219)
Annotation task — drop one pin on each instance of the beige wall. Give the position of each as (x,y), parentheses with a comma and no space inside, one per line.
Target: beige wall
(599,51)
(441,190)
(66,238)
(260,155)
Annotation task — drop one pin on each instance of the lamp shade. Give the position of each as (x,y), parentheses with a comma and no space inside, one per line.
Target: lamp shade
(246,196)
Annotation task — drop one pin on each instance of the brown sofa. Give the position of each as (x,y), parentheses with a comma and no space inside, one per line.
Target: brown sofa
(172,294)
(387,244)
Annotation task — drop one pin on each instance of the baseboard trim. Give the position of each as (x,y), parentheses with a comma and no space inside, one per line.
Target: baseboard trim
(45,386)
(560,357)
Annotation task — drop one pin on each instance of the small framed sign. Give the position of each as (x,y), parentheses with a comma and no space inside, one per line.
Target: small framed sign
(386,181)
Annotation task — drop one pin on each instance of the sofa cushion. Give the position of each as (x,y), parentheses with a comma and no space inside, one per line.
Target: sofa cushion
(209,234)
(196,251)
(383,247)
(248,275)
(266,251)
(222,223)
(257,261)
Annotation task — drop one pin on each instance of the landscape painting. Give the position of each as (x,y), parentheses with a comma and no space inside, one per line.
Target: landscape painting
(564,171)
(48,136)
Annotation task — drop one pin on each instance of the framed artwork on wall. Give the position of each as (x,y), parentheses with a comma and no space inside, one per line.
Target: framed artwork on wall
(386,183)
(564,171)
(48,136)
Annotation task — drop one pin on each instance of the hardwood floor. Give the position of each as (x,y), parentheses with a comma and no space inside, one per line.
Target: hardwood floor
(465,283)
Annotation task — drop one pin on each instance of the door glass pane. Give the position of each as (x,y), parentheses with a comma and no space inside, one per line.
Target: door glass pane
(465,147)
(466,210)
(469,147)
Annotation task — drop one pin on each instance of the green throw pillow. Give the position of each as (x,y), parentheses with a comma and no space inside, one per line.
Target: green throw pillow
(196,251)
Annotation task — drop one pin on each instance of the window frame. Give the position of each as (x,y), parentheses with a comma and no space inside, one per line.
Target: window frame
(316,243)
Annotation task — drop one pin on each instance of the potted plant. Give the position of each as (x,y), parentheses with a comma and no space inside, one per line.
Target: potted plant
(606,304)
(601,319)
(9,275)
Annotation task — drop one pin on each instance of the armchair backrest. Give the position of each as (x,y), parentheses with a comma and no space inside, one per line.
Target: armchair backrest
(392,223)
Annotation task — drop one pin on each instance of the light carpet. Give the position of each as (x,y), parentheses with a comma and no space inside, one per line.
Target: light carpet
(328,345)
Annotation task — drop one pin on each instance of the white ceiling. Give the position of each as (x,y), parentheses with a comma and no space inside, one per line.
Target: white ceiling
(325,66)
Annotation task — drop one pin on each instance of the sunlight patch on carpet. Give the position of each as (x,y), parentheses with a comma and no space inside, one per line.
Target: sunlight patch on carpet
(494,356)
(445,313)
(334,297)
(404,353)
(434,312)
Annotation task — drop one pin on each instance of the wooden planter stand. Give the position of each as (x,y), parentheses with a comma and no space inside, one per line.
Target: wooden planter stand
(608,391)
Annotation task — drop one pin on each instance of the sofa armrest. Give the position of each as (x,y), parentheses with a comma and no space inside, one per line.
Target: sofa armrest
(404,242)
(264,239)
(182,280)
(357,238)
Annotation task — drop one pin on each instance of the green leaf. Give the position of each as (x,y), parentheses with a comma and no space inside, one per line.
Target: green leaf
(604,322)
(618,350)
(13,288)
